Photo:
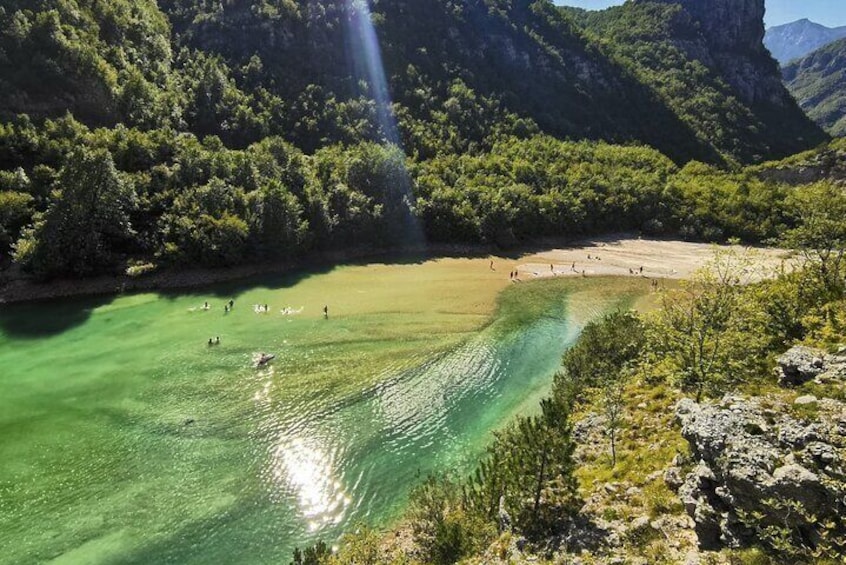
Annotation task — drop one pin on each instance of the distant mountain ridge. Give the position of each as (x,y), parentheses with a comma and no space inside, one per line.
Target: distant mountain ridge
(797,39)
(818,82)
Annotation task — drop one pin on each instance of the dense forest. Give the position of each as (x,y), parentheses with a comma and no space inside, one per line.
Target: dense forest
(142,134)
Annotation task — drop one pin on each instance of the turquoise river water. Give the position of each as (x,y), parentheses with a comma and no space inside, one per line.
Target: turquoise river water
(127,439)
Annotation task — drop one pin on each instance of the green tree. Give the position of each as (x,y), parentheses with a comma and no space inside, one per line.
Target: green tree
(604,349)
(312,555)
(602,360)
(276,221)
(86,222)
(444,529)
(530,468)
(821,231)
(16,209)
(708,332)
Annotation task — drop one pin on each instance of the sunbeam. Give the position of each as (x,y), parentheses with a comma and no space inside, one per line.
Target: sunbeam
(368,66)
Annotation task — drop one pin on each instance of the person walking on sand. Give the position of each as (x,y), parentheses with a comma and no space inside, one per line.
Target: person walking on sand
(492,266)
(573,268)
(326,312)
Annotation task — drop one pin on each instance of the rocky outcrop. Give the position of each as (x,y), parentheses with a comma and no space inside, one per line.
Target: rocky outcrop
(734,33)
(729,24)
(755,466)
(800,365)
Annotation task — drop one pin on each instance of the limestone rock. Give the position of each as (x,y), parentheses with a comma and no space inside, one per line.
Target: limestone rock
(805,400)
(800,365)
(749,457)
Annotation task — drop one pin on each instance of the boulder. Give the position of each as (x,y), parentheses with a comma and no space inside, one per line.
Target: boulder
(800,365)
(751,461)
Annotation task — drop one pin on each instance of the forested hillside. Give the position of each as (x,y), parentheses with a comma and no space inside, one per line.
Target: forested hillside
(818,81)
(214,133)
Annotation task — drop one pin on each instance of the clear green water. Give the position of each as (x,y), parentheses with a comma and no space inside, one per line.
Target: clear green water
(126,439)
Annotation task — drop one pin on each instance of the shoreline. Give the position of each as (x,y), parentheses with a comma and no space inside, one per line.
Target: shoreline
(618,253)
(24,289)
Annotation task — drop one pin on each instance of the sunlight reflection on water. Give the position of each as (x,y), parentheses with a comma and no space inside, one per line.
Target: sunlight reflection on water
(307,471)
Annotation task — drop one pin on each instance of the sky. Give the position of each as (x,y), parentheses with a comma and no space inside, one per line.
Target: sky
(827,12)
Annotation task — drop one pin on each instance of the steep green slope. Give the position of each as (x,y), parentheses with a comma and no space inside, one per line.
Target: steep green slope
(707,62)
(245,70)
(101,60)
(818,81)
(240,131)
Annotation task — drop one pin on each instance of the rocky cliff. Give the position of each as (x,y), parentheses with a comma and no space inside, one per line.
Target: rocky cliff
(733,31)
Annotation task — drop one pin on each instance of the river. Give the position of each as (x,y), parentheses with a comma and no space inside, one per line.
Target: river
(126,438)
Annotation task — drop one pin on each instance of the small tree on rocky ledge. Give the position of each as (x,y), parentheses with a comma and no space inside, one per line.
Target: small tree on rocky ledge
(613,404)
(601,360)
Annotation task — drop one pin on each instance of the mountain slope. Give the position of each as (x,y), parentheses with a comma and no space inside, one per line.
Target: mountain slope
(797,39)
(100,60)
(818,82)
(707,62)
(246,70)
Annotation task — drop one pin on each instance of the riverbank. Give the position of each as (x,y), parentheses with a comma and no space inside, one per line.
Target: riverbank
(632,256)
(615,255)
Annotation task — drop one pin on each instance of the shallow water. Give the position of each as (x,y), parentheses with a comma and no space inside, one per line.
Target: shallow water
(127,439)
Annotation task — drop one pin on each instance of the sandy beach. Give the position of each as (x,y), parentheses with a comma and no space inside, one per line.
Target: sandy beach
(648,258)
(608,256)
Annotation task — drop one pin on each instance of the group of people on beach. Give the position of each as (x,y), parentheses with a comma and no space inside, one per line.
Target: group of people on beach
(514,275)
